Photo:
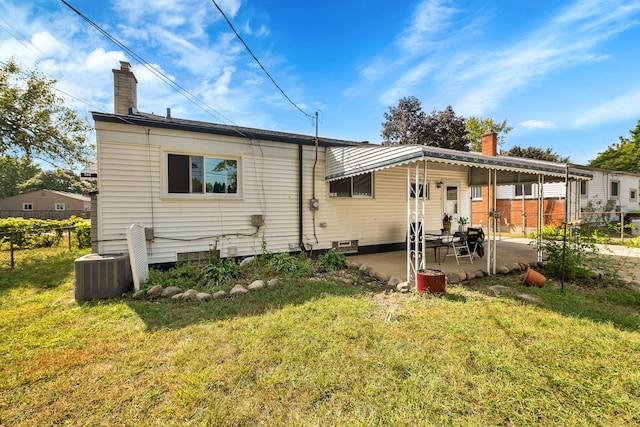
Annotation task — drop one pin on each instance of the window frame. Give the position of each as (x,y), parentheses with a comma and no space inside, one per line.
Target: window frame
(522,188)
(27,207)
(350,181)
(58,206)
(178,157)
(584,183)
(633,194)
(476,189)
(616,184)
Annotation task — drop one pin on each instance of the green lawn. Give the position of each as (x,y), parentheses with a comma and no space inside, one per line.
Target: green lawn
(317,353)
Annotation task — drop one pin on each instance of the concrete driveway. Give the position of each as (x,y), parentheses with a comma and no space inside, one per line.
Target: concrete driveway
(509,251)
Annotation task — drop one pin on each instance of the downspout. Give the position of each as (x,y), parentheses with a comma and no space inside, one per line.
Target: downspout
(300,199)
(314,201)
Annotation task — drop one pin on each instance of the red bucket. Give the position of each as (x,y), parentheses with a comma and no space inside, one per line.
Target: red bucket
(431,281)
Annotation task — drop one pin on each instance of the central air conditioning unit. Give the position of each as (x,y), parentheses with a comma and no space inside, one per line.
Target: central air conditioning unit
(102,276)
(345,246)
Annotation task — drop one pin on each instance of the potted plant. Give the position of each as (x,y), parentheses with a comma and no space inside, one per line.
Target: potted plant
(446,223)
(462,222)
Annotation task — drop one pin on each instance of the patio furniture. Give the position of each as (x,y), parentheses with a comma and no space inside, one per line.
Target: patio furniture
(459,246)
(475,240)
(431,240)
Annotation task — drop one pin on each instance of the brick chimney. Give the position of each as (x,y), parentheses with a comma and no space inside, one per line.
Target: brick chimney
(490,143)
(125,90)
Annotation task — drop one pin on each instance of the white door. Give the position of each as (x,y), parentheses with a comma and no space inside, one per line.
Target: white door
(451,202)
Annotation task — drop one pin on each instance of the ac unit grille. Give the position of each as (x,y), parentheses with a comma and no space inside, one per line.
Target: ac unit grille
(345,246)
(101,276)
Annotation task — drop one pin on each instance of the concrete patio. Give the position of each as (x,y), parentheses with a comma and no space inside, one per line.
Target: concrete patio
(510,250)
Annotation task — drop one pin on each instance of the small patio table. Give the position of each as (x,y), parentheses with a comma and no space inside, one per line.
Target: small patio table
(437,240)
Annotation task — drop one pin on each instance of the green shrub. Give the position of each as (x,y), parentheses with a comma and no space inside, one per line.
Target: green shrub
(332,260)
(549,232)
(219,272)
(578,255)
(35,233)
(298,265)
(185,276)
(283,263)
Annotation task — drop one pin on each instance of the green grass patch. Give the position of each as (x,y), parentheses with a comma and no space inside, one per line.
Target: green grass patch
(317,352)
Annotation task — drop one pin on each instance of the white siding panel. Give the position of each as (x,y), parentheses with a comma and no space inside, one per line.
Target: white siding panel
(132,182)
(131,191)
(382,219)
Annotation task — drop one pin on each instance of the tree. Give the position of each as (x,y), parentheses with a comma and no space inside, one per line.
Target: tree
(35,123)
(621,156)
(14,172)
(476,127)
(407,124)
(403,123)
(446,130)
(536,153)
(58,180)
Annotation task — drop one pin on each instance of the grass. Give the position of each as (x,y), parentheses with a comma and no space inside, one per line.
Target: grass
(317,352)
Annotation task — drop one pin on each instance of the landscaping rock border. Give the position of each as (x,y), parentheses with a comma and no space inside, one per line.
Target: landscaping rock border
(390,283)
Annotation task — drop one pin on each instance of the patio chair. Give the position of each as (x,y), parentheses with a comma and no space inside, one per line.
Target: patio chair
(460,247)
(475,240)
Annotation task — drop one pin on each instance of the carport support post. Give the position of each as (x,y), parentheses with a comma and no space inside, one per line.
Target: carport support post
(416,258)
(566,219)
(489,222)
(540,214)
(496,221)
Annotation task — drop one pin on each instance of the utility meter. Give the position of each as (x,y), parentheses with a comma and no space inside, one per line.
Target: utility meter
(314,204)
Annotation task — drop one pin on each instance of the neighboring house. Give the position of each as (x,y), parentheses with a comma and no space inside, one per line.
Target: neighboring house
(518,203)
(621,188)
(198,186)
(45,204)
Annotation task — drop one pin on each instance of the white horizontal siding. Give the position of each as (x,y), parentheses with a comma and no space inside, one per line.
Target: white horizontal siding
(549,190)
(382,219)
(132,179)
(599,189)
(132,185)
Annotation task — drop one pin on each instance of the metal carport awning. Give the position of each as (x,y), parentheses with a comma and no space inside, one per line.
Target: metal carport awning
(345,162)
(484,170)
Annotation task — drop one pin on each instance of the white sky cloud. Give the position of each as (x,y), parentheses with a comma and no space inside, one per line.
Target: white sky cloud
(445,52)
(565,41)
(623,107)
(538,124)
(430,18)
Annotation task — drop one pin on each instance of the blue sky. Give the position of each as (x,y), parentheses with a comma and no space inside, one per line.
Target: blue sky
(565,74)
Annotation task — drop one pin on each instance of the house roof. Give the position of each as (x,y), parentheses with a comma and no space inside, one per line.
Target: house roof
(343,162)
(609,171)
(59,193)
(148,120)
(350,158)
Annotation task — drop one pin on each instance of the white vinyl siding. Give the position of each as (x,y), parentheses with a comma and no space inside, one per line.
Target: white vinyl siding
(384,219)
(549,191)
(600,187)
(132,182)
(133,189)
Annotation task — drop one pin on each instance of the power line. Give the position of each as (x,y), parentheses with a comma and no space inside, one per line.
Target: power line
(258,61)
(21,39)
(184,92)
(53,87)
